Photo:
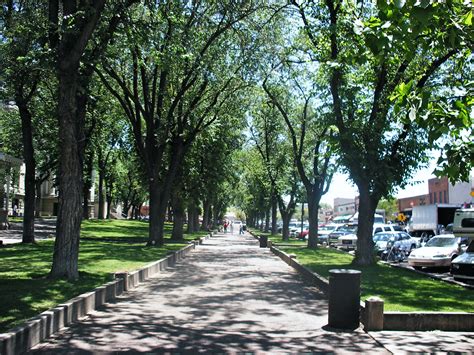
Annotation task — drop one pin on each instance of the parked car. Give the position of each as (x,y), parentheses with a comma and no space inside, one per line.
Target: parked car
(349,241)
(339,231)
(462,267)
(439,251)
(401,240)
(295,229)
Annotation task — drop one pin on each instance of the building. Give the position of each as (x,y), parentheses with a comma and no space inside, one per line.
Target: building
(440,190)
(344,206)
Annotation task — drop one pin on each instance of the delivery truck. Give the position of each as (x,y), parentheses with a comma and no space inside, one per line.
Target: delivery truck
(429,220)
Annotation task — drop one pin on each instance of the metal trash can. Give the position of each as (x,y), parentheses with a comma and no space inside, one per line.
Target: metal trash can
(263,241)
(344,298)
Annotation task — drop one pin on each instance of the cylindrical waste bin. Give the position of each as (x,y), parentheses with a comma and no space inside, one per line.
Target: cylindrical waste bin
(263,241)
(344,298)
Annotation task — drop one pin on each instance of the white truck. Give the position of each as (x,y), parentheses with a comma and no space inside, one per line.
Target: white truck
(429,220)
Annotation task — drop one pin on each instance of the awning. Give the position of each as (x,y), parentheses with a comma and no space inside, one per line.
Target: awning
(10,159)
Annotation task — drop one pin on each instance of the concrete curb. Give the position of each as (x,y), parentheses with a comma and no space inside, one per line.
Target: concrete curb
(35,330)
(409,321)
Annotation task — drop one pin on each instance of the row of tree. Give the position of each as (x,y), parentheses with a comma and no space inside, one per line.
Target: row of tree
(154,95)
(366,88)
(151,94)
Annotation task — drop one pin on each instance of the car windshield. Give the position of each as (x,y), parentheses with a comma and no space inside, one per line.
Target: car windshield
(470,248)
(382,237)
(441,242)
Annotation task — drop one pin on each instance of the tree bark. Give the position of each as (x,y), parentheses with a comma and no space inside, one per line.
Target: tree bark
(286,222)
(206,215)
(274,214)
(365,245)
(267,220)
(178,214)
(313,209)
(101,186)
(30,164)
(38,198)
(66,247)
(87,186)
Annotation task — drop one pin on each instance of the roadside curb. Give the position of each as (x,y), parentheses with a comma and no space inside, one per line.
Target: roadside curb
(35,330)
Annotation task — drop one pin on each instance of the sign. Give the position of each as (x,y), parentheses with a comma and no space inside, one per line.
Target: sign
(401,217)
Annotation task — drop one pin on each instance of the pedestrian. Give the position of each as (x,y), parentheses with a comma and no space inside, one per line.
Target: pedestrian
(15,210)
(241,229)
(225,226)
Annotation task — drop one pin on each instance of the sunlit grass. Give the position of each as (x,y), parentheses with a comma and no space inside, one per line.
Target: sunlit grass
(402,290)
(26,291)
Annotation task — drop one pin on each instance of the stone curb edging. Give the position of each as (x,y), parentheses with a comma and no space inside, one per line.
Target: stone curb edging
(35,330)
(409,321)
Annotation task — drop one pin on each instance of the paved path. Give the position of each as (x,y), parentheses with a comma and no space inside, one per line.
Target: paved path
(44,229)
(228,296)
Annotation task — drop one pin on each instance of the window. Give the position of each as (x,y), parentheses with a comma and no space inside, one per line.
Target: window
(445,199)
(431,199)
(467,223)
(440,197)
(434,197)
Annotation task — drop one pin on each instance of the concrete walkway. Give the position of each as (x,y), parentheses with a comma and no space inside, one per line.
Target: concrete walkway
(228,296)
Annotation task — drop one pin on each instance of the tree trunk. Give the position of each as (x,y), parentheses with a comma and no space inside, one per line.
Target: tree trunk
(286,225)
(101,193)
(274,215)
(169,214)
(267,220)
(87,185)
(109,205)
(66,247)
(38,198)
(196,217)
(191,211)
(313,209)
(178,216)
(206,215)
(28,155)
(161,194)
(365,245)
(154,230)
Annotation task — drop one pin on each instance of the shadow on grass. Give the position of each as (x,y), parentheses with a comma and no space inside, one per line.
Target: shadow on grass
(402,290)
(26,290)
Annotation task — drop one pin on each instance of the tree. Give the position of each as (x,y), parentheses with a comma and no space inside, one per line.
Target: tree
(381,63)
(267,130)
(312,149)
(173,81)
(23,37)
(79,32)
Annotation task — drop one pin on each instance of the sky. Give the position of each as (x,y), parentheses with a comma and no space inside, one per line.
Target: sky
(342,187)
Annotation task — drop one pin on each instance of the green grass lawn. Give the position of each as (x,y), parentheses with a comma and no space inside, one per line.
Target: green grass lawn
(402,290)
(25,291)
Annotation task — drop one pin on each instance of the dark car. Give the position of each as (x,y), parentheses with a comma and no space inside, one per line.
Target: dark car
(462,267)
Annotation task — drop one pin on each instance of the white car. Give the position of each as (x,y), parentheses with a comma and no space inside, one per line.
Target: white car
(349,241)
(439,251)
(401,240)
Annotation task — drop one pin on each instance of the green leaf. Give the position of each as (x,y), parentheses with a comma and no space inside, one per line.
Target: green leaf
(468,19)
